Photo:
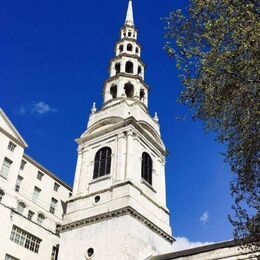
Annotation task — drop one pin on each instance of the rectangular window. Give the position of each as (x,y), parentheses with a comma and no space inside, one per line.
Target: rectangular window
(5,168)
(36,194)
(18,183)
(56,186)
(30,214)
(9,257)
(23,162)
(39,175)
(54,253)
(11,146)
(53,205)
(25,239)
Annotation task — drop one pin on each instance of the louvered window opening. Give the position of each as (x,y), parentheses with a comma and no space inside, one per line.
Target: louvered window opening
(147,168)
(102,163)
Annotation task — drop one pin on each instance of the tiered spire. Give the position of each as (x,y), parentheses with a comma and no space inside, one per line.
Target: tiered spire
(129,15)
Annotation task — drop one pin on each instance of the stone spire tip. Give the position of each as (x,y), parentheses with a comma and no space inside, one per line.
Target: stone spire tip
(129,15)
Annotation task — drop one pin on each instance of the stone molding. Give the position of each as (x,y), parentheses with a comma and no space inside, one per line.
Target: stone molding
(118,213)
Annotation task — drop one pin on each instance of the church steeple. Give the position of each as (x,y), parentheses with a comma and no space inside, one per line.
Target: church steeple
(118,208)
(126,69)
(129,15)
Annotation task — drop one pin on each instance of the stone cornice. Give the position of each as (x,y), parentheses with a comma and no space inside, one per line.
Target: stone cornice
(129,121)
(118,213)
(125,75)
(134,56)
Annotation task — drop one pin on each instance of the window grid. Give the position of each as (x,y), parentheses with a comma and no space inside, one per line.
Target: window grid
(20,207)
(22,165)
(53,205)
(102,165)
(54,253)
(11,146)
(18,183)
(40,219)
(36,194)
(30,214)
(25,239)
(147,168)
(40,175)
(5,168)
(56,186)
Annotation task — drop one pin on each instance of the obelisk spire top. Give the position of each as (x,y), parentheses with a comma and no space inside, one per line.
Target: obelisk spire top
(129,15)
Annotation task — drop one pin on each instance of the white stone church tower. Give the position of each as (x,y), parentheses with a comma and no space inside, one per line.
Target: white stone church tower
(118,208)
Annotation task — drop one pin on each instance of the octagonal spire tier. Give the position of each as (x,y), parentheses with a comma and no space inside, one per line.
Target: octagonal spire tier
(126,69)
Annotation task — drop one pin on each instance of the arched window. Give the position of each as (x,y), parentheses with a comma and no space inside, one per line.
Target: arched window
(40,218)
(121,47)
(129,90)
(129,67)
(147,168)
(142,94)
(139,70)
(118,68)
(20,207)
(1,195)
(113,91)
(136,50)
(102,162)
(129,47)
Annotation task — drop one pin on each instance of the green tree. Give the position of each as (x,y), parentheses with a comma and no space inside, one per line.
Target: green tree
(215,44)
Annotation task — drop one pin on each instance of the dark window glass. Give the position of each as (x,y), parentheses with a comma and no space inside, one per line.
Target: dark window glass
(147,168)
(102,163)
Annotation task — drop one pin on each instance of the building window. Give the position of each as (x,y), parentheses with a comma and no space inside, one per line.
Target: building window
(129,67)
(23,162)
(1,195)
(11,146)
(136,50)
(55,252)
(113,91)
(5,168)
(129,34)
(142,94)
(129,90)
(30,214)
(121,48)
(40,218)
(53,205)
(9,257)
(70,194)
(102,162)
(147,168)
(36,194)
(20,207)
(40,175)
(129,47)
(18,183)
(25,239)
(56,186)
(58,227)
(118,68)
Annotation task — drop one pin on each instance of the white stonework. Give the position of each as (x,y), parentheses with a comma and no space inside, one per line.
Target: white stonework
(130,220)
(22,192)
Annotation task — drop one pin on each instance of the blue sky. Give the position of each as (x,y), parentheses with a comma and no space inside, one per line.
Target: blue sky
(53,60)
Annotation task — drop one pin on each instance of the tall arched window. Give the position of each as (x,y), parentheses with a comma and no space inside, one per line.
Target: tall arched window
(118,68)
(113,91)
(102,162)
(1,195)
(147,168)
(129,47)
(129,67)
(40,218)
(129,90)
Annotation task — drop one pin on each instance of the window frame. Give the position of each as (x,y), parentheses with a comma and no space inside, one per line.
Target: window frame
(6,165)
(147,168)
(102,162)
(11,146)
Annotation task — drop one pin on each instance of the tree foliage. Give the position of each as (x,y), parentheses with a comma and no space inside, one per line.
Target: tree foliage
(216,47)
